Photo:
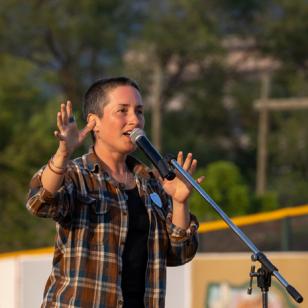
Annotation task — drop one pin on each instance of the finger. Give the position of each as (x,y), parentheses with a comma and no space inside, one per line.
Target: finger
(59,121)
(69,112)
(200,179)
(69,109)
(58,135)
(193,166)
(180,158)
(187,162)
(64,114)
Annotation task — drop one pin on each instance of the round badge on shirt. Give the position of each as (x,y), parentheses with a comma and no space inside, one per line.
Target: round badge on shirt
(156,199)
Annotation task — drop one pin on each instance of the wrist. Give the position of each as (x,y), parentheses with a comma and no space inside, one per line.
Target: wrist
(179,204)
(180,215)
(55,169)
(62,154)
(60,160)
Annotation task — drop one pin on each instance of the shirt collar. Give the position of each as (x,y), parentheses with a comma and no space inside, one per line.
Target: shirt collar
(92,163)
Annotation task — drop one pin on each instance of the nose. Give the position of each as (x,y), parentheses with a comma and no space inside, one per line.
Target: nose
(135,119)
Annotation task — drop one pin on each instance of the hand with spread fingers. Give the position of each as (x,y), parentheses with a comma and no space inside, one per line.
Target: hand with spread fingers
(178,189)
(69,135)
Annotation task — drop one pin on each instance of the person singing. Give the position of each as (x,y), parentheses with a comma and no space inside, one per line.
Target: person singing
(118,224)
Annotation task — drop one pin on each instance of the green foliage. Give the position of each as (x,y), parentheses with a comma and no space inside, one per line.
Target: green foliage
(22,139)
(284,23)
(224,184)
(52,50)
(265,203)
(291,187)
(48,49)
(78,40)
(192,36)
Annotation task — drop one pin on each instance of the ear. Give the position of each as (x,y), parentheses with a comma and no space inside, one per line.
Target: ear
(93,117)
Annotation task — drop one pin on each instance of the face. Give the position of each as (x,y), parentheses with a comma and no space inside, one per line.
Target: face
(123,113)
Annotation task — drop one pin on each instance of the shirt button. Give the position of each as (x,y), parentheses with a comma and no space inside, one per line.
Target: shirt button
(182,232)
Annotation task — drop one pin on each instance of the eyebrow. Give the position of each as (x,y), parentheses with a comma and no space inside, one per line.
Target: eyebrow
(128,105)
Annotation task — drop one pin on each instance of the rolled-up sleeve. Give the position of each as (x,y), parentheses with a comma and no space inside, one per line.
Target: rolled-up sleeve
(178,234)
(183,242)
(42,203)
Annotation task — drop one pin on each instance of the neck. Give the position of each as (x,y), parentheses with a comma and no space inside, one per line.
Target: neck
(114,162)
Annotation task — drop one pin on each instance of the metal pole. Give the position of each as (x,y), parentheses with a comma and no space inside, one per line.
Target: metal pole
(262,137)
(257,254)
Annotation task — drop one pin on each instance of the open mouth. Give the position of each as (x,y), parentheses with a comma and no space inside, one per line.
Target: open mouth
(127,133)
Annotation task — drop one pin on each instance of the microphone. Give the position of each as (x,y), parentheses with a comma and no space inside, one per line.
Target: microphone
(139,138)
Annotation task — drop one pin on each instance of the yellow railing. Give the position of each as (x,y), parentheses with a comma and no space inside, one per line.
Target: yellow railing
(204,227)
(38,251)
(255,218)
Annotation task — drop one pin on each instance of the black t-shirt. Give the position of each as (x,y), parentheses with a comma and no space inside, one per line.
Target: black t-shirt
(135,252)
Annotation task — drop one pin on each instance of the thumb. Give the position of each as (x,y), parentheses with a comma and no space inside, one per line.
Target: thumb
(83,133)
(200,180)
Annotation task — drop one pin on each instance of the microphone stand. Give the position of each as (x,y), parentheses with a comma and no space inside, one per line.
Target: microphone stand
(267,269)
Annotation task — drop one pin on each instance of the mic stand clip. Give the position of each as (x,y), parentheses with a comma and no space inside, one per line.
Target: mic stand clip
(264,280)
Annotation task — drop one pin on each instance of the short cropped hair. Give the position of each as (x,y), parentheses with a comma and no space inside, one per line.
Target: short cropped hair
(96,97)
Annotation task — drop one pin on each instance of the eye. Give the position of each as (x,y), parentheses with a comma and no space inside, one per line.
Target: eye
(122,110)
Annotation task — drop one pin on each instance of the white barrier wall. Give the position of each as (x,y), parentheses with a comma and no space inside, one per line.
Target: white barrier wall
(179,286)
(23,278)
(210,280)
(8,283)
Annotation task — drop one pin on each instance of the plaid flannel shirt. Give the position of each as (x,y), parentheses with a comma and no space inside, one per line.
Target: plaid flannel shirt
(91,217)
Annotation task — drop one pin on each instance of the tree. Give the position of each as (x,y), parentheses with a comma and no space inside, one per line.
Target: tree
(23,146)
(78,40)
(282,36)
(176,49)
(178,57)
(49,50)
(284,25)
(224,184)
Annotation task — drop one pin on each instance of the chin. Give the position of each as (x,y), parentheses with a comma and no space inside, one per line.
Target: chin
(129,149)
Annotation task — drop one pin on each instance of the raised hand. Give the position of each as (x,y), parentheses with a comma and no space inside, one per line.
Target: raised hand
(178,189)
(70,137)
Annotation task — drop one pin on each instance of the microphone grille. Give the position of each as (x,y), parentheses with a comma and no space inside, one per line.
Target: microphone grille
(136,134)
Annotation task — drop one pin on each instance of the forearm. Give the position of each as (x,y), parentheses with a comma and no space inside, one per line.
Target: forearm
(53,174)
(181,226)
(180,215)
